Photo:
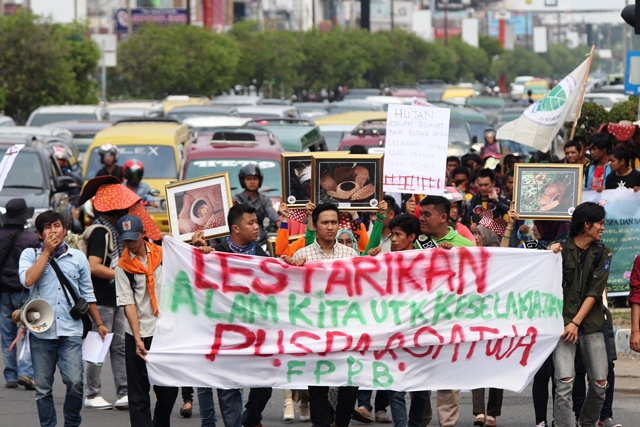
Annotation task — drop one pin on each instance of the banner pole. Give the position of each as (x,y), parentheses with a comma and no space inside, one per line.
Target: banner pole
(582,91)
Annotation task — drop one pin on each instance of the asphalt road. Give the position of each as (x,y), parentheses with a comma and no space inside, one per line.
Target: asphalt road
(18,408)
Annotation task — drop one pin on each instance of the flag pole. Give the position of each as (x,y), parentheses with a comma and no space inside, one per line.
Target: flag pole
(582,91)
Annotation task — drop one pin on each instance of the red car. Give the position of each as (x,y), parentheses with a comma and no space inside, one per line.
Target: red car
(371,134)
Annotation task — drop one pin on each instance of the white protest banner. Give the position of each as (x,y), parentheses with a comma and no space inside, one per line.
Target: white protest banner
(7,162)
(415,154)
(415,320)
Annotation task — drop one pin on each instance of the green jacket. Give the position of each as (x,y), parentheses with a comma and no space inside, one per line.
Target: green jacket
(579,281)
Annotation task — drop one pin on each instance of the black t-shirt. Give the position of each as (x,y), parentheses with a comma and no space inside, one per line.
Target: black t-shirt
(615,181)
(117,172)
(103,289)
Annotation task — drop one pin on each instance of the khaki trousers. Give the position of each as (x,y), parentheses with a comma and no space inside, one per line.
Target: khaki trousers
(448,407)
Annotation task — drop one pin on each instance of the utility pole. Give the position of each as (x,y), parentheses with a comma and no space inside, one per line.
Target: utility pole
(392,15)
(445,3)
(188,12)
(130,26)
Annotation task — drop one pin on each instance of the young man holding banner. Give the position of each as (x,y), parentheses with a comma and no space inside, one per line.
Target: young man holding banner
(585,271)
(326,220)
(405,230)
(434,212)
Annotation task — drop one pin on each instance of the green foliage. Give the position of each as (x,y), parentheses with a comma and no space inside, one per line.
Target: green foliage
(490,45)
(474,62)
(158,61)
(520,62)
(627,110)
(592,116)
(564,60)
(43,64)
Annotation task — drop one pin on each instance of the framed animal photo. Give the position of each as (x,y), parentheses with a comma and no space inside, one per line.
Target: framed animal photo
(352,182)
(547,191)
(199,204)
(296,179)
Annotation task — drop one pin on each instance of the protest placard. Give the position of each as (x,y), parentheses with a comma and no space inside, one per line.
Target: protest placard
(405,321)
(415,156)
(621,234)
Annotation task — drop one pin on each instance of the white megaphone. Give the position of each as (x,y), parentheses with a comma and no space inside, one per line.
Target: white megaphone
(37,315)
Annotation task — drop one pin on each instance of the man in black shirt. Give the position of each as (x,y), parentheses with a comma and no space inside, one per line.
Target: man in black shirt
(14,240)
(622,174)
(109,158)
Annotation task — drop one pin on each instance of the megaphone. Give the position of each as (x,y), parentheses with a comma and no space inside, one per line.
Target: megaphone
(37,315)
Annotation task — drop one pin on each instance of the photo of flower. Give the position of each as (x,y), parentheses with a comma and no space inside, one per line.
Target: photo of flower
(546,191)
(296,178)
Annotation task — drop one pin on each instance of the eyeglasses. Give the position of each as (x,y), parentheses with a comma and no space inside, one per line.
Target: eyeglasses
(346,242)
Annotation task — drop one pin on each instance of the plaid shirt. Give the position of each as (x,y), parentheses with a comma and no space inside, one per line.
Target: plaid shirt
(314,252)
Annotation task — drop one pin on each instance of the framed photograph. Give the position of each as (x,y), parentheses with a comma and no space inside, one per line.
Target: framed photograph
(547,191)
(271,243)
(296,178)
(352,182)
(199,204)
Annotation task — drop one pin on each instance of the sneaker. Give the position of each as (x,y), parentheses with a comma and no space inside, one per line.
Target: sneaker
(542,424)
(122,403)
(305,415)
(609,423)
(11,384)
(27,382)
(97,403)
(382,417)
(362,414)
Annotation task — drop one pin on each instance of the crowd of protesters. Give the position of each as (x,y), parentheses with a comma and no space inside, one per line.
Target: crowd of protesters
(119,272)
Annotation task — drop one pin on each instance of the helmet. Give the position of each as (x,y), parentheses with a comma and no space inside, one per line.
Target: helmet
(60,153)
(108,149)
(133,171)
(453,194)
(250,170)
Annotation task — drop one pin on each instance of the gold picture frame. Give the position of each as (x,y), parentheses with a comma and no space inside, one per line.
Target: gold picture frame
(353,182)
(199,204)
(297,179)
(547,191)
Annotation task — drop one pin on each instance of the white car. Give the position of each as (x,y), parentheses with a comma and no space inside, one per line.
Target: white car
(517,87)
(209,122)
(607,100)
(61,113)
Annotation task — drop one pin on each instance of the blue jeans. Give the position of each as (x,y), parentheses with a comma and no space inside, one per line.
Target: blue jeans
(419,400)
(10,301)
(66,352)
(207,407)
(230,401)
(594,356)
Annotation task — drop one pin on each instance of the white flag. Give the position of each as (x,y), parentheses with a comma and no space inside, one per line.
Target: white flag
(541,121)
(7,162)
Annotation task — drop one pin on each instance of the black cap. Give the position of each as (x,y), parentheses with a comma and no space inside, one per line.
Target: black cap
(17,212)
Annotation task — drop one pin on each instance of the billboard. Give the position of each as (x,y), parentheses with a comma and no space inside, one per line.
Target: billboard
(141,16)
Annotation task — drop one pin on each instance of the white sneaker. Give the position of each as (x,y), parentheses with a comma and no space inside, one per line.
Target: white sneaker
(542,424)
(122,403)
(97,403)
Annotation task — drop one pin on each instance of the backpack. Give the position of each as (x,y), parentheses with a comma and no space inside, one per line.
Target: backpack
(80,241)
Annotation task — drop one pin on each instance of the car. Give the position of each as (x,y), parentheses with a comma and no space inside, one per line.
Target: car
(606,100)
(173,101)
(36,177)
(6,121)
(354,105)
(477,121)
(135,108)
(490,106)
(609,89)
(517,87)
(294,134)
(360,93)
(273,101)
(333,134)
(237,100)
(457,94)
(230,149)
(188,111)
(386,100)
(83,131)
(159,144)
(539,89)
(60,113)
(405,92)
(371,134)
(201,124)
(353,118)
(433,88)
(53,137)
(268,111)
(312,110)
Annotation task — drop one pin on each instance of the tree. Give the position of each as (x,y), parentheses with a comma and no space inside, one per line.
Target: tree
(520,62)
(158,61)
(44,64)
(627,110)
(592,116)
(474,62)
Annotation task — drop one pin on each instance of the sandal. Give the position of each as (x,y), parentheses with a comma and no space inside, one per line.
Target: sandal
(479,421)
(186,410)
(490,422)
